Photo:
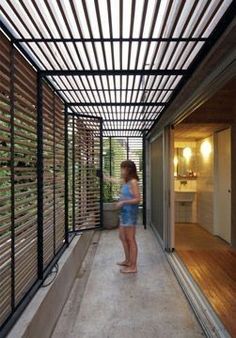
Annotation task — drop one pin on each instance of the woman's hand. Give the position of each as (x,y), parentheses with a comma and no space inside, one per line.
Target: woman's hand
(119,204)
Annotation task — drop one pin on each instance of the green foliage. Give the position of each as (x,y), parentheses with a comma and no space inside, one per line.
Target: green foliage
(107,192)
(112,157)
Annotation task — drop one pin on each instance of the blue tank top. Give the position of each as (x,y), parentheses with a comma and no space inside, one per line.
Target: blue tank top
(126,194)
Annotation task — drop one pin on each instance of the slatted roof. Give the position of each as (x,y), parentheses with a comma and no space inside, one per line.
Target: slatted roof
(123,60)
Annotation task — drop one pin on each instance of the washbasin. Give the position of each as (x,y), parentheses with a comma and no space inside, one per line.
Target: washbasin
(184,196)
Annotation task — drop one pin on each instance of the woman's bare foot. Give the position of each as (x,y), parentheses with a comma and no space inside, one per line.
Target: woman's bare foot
(124,263)
(129,269)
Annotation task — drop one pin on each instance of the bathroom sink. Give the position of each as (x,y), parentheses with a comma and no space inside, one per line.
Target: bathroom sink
(187,186)
(184,196)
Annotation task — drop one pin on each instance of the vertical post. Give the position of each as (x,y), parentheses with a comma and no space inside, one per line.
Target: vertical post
(110,167)
(144,182)
(66,173)
(73,172)
(54,178)
(12,110)
(127,142)
(40,172)
(101,172)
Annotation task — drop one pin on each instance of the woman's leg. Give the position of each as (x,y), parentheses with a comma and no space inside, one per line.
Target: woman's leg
(133,249)
(124,241)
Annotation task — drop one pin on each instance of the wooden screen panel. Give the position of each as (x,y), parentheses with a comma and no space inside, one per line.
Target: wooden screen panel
(86,162)
(25,176)
(59,150)
(70,127)
(18,178)
(5,180)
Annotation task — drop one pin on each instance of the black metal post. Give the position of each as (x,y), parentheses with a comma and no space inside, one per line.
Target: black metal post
(144,183)
(54,177)
(110,165)
(73,173)
(12,150)
(66,174)
(40,172)
(101,173)
(127,148)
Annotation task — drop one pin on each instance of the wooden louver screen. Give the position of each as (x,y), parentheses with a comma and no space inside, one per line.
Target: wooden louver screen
(19,158)
(84,161)
(18,180)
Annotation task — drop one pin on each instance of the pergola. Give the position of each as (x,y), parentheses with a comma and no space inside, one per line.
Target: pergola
(74,74)
(124,61)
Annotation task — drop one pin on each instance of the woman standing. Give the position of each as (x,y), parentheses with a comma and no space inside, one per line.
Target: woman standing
(128,203)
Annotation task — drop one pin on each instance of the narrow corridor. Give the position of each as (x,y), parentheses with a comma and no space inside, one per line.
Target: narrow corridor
(149,304)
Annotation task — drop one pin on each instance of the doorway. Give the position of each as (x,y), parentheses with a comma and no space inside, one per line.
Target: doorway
(222,212)
(204,236)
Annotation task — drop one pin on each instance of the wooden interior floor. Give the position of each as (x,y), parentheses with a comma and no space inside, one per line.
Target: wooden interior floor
(212,263)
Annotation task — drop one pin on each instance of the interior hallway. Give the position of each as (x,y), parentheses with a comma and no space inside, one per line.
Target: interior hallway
(105,303)
(211,261)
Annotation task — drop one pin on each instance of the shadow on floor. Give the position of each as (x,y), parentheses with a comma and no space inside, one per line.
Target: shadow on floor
(149,304)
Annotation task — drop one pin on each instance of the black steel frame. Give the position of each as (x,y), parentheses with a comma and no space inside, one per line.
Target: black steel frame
(69,81)
(70,96)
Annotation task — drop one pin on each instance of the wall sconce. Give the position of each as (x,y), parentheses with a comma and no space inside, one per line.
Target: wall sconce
(205,149)
(187,153)
(176,161)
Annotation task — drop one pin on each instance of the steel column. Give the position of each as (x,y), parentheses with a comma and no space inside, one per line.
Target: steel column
(40,173)
(54,179)
(101,173)
(110,167)
(12,150)
(66,174)
(144,182)
(73,173)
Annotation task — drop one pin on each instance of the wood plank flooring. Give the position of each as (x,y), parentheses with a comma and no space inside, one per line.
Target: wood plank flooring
(212,263)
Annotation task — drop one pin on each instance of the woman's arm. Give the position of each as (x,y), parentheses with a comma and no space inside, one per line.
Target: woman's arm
(135,191)
(112,179)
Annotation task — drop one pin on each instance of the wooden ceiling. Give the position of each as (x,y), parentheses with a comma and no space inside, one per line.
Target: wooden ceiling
(216,114)
(193,131)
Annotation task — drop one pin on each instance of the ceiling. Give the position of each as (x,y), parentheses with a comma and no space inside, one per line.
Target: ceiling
(122,60)
(194,132)
(217,113)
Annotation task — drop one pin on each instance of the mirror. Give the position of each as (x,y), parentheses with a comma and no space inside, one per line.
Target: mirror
(185,161)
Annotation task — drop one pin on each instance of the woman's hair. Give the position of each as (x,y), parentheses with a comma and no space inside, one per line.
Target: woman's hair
(131,171)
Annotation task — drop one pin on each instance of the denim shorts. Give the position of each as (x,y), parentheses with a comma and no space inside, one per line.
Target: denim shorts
(129,215)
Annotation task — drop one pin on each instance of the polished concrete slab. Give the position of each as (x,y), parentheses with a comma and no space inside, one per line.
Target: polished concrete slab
(105,303)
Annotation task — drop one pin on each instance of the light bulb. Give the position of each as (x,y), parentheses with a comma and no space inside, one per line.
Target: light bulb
(187,153)
(206,148)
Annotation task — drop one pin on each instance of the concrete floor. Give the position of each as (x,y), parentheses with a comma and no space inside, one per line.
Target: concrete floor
(107,304)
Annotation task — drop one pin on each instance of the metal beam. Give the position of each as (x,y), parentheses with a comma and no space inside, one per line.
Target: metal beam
(67,40)
(113,90)
(128,120)
(115,72)
(116,104)
(133,130)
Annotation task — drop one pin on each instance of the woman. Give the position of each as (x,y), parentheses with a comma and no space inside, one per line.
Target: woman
(128,203)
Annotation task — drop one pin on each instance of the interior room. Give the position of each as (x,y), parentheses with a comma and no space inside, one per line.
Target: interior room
(203,176)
